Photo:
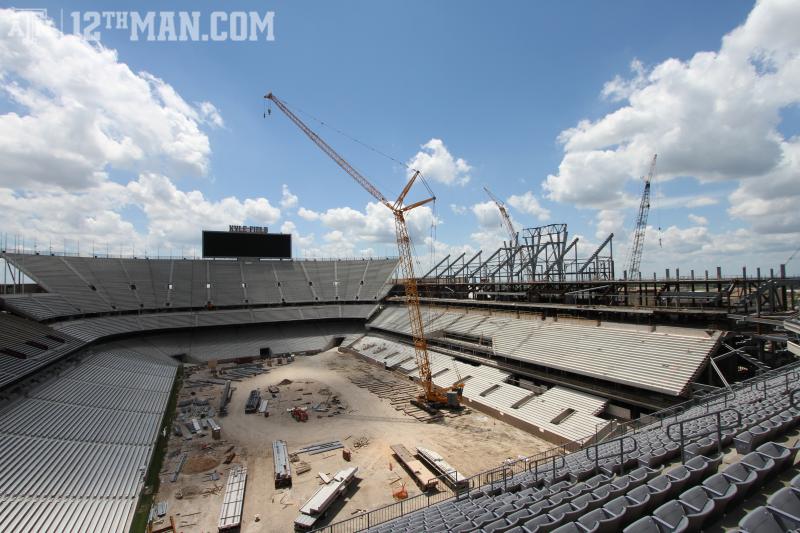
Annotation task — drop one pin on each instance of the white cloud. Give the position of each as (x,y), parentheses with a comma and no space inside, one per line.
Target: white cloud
(288,200)
(527,203)
(210,114)
(610,221)
(772,204)
(79,110)
(620,88)
(175,216)
(437,164)
(713,117)
(307,214)
(458,209)
(491,232)
(697,219)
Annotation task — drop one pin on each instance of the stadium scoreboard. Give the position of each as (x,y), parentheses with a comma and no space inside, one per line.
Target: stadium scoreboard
(247,241)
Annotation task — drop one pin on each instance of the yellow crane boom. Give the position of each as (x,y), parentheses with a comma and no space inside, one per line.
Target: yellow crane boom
(432,394)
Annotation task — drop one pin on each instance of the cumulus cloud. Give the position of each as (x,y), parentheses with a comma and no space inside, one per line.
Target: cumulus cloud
(458,209)
(78,110)
(609,221)
(713,117)
(528,204)
(697,219)
(437,164)
(288,200)
(307,214)
(772,204)
(176,216)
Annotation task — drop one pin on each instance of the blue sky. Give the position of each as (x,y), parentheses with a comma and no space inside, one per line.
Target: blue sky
(495,83)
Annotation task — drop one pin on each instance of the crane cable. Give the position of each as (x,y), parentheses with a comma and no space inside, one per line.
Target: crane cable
(421,176)
(791,256)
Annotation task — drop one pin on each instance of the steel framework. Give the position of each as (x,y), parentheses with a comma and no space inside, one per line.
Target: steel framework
(543,253)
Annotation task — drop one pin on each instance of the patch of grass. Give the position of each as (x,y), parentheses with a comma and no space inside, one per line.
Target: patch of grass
(151,482)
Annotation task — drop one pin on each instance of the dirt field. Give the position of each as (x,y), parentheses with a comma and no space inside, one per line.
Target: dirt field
(471,443)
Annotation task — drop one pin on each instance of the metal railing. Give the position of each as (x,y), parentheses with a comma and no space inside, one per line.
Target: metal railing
(492,479)
(717,428)
(547,463)
(711,401)
(610,444)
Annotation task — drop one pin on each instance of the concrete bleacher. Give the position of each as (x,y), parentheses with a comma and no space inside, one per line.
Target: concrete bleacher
(558,414)
(710,478)
(661,361)
(89,285)
(91,329)
(245,341)
(26,346)
(73,451)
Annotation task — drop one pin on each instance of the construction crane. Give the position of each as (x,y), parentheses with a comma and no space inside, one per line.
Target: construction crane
(433,396)
(512,233)
(637,246)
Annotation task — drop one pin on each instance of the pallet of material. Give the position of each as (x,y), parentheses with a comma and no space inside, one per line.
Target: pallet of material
(230,516)
(319,503)
(253,401)
(280,458)
(262,407)
(424,477)
(437,463)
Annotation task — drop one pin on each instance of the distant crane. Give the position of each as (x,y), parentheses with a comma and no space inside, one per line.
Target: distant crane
(635,253)
(433,396)
(513,235)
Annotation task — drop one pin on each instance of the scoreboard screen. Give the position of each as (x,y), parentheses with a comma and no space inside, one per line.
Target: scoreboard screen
(245,244)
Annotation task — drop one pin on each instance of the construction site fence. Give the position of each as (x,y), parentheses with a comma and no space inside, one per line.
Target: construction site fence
(496,478)
(711,402)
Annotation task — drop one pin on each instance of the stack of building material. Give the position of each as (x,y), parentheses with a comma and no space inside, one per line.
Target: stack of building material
(253,401)
(323,447)
(437,463)
(230,516)
(311,511)
(216,433)
(424,477)
(280,458)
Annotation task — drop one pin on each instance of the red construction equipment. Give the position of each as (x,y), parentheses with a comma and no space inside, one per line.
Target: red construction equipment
(300,414)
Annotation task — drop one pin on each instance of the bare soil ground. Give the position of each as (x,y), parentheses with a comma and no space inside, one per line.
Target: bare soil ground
(471,443)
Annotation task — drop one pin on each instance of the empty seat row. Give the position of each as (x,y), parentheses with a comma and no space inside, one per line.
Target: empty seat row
(705,503)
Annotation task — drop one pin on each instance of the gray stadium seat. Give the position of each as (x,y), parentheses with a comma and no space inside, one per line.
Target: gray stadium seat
(600,520)
(660,489)
(569,527)
(765,520)
(787,500)
(646,524)
(680,477)
(700,508)
(782,455)
(541,524)
(721,490)
(618,507)
(640,501)
(762,465)
(673,514)
(744,479)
